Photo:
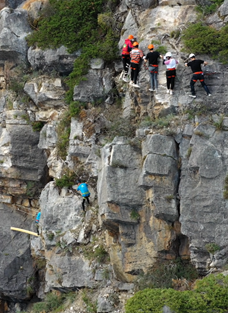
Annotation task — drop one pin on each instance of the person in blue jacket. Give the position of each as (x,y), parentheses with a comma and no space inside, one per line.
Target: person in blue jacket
(37,222)
(83,188)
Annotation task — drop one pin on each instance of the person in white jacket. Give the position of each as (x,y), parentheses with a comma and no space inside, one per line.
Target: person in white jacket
(171,64)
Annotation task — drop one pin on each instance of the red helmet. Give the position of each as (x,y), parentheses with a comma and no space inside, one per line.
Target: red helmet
(130,37)
(150,47)
(135,44)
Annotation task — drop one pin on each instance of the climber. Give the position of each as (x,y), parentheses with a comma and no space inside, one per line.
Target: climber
(126,55)
(170,63)
(136,56)
(153,57)
(37,222)
(83,188)
(197,74)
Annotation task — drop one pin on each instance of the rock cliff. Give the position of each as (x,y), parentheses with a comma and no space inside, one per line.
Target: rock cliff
(156,165)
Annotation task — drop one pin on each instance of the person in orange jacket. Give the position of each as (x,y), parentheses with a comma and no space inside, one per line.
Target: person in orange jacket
(127,47)
(136,56)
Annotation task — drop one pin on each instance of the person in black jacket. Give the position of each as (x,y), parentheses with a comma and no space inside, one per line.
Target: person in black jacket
(197,74)
(153,57)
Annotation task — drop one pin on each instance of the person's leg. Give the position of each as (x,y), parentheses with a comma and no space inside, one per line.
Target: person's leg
(172,80)
(88,200)
(192,83)
(167,80)
(132,72)
(205,87)
(83,204)
(156,79)
(136,73)
(128,61)
(151,77)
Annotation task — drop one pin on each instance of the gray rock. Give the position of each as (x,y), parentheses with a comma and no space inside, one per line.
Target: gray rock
(48,137)
(16,261)
(52,59)
(46,92)
(104,305)
(14,28)
(97,86)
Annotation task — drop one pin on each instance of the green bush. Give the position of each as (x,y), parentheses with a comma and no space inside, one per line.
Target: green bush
(37,126)
(202,39)
(78,25)
(212,247)
(162,273)
(209,296)
(53,302)
(208,9)
(67,180)
(67,22)
(101,254)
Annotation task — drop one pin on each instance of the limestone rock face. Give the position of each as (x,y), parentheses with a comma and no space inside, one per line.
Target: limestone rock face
(97,85)
(49,60)
(62,226)
(202,206)
(45,92)
(20,154)
(14,28)
(133,221)
(16,260)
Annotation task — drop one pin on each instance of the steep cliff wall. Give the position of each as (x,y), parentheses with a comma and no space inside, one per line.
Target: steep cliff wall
(156,165)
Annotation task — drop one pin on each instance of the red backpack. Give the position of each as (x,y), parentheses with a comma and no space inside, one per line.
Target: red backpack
(127,47)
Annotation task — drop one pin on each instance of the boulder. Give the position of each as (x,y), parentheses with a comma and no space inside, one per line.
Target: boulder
(14,27)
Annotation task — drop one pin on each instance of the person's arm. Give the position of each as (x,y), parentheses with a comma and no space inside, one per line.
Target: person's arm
(205,63)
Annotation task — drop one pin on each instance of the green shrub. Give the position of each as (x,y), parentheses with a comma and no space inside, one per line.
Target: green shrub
(101,254)
(90,305)
(162,50)
(208,9)
(219,125)
(78,25)
(134,215)
(31,189)
(162,273)
(67,22)
(67,180)
(54,303)
(210,295)
(203,39)
(212,247)
(37,126)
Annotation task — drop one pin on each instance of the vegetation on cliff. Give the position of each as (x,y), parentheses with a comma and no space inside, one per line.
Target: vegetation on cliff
(86,26)
(203,39)
(209,295)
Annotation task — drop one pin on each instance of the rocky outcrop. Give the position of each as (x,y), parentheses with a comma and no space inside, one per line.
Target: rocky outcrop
(14,28)
(17,272)
(159,193)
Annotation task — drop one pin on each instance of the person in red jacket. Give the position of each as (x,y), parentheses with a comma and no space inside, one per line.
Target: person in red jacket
(126,55)
(136,56)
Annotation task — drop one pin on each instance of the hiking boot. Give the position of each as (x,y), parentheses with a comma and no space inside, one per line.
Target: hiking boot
(209,95)
(170,92)
(167,90)
(151,89)
(193,96)
(136,85)
(131,83)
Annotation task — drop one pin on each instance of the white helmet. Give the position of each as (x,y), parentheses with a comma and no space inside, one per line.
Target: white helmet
(168,54)
(191,55)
